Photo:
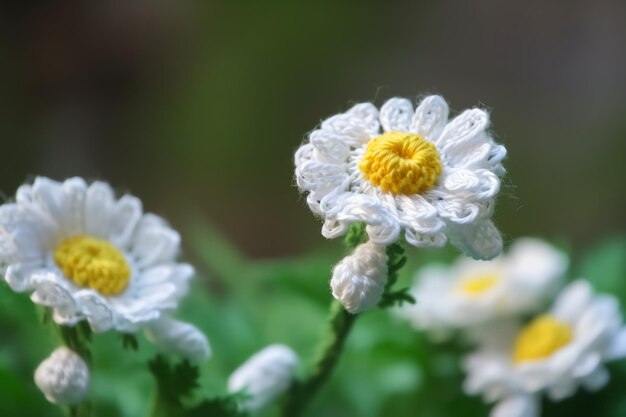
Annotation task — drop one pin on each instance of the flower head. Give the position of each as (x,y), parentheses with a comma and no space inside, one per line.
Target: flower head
(473,293)
(89,255)
(359,280)
(63,377)
(405,170)
(264,376)
(555,353)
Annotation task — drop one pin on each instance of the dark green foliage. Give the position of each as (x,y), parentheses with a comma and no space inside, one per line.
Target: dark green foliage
(129,341)
(226,406)
(174,382)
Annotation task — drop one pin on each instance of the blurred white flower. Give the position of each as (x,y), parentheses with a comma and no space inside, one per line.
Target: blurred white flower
(407,171)
(359,280)
(264,376)
(88,255)
(555,353)
(179,338)
(63,377)
(472,293)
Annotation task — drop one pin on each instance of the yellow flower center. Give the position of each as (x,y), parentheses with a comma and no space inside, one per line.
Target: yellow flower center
(93,263)
(401,163)
(541,338)
(479,284)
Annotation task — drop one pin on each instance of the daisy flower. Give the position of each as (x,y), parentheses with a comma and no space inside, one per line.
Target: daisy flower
(472,293)
(555,353)
(89,255)
(405,170)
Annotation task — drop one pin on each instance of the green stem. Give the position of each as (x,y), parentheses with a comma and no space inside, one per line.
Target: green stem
(303,392)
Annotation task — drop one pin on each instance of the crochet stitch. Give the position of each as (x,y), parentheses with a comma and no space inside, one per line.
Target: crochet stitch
(63,377)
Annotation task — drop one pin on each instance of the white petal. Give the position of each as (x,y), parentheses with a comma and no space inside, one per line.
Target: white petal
(334,228)
(19,240)
(463,130)
(480,240)
(73,197)
(358,125)
(50,293)
(154,242)
(396,114)
(179,338)
(517,406)
(419,215)
(430,118)
(420,240)
(596,380)
(18,276)
(535,264)
(318,176)
(329,146)
(95,309)
(48,195)
(478,184)
(573,301)
(367,115)
(99,205)
(617,347)
(126,215)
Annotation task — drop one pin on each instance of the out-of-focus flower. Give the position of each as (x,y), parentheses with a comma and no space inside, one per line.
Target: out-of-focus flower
(88,255)
(359,280)
(404,170)
(555,353)
(63,377)
(264,376)
(179,338)
(472,293)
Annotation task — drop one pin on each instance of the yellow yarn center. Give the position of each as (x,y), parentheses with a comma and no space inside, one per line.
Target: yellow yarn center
(541,338)
(479,284)
(401,163)
(93,263)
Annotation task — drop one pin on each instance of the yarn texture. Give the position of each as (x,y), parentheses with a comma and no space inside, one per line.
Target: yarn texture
(406,171)
(358,281)
(63,377)
(264,376)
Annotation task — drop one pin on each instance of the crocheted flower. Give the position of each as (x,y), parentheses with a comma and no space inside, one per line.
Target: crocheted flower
(359,280)
(88,255)
(406,170)
(264,376)
(63,377)
(472,293)
(554,353)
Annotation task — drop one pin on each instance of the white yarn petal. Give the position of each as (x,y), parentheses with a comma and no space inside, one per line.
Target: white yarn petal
(99,204)
(155,242)
(517,406)
(63,377)
(264,376)
(329,146)
(126,214)
(617,347)
(359,280)
(179,338)
(480,240)
(95,309)
(430,118)
(18,275)
(396,114)
(50,293)
(573,301)
(73,206)
(463,129)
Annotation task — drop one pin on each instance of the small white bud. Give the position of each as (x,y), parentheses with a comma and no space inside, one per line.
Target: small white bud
(359,280)
(179,338)
(63,377)
(264,376)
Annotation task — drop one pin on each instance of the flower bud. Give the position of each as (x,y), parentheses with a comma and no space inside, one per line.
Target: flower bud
(63,377)
(179,338)
(264,376)
(359,280)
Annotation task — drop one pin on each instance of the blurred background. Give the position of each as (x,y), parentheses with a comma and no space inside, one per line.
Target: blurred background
(198,107)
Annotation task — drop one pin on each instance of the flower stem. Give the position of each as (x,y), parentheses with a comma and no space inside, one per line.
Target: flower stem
(302,392)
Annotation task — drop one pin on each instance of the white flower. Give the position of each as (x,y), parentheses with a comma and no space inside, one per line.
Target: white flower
(63,377)
(472,293)
(359,280)
(179,338)
(264,376)
(406,170)
(554,353)
(88,255)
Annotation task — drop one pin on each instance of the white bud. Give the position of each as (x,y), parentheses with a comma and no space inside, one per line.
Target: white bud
(359,280)
(266,375)
(179,338)
(63,377)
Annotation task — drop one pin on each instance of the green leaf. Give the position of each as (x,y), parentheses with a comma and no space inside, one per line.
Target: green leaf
(174,381)
(226,406)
